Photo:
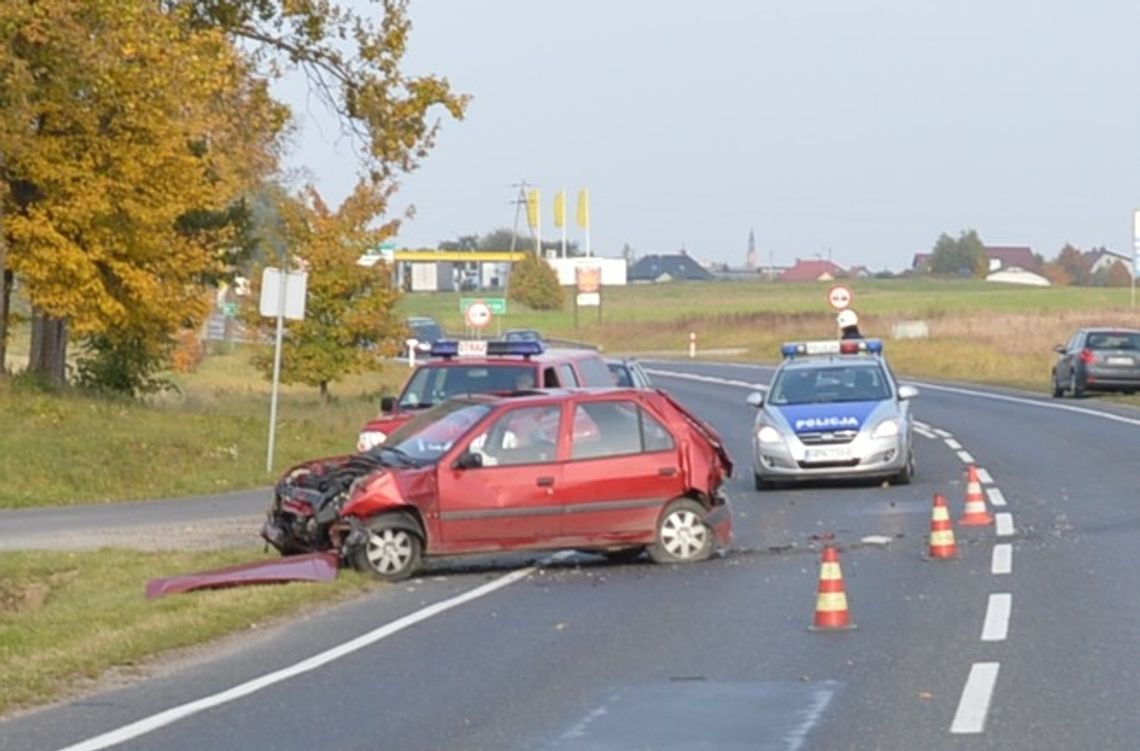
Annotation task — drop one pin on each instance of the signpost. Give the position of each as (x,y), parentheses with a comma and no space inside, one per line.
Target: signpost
(283,296)
(589,282)
(1135,251)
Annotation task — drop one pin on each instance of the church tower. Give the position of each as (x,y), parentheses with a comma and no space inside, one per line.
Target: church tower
(750,261)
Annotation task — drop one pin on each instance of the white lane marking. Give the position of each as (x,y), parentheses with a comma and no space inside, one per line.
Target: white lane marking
(943,433)
(169,716)
(954,445)
(975,702)
(708,379)
(996,626)
(996,498)
(922,425)
(924,432)
(965,457)
(1033,403)
(1004,525)
(1002,559)
(984,476)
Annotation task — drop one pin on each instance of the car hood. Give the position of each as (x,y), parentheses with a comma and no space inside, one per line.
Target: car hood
(828,416)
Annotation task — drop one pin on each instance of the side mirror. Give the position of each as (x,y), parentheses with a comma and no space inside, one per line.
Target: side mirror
(907,392)
(756,399)
(469,460)
(1059,349)
(388,404)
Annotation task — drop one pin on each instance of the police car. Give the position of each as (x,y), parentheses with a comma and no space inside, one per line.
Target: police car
(833,411)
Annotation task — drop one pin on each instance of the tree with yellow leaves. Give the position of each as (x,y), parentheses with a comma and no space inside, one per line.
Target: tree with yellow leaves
(349,319)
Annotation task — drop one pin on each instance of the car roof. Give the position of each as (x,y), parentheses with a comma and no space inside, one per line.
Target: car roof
(547,395)
(548,357)
(1109,329)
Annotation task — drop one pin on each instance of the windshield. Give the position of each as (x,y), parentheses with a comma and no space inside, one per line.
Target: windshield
(834,383)
(430,386)
(429,435)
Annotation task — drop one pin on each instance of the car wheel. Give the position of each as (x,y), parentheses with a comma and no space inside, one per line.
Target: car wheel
(905,476)
(681,535)
(391,552)
(1076,388)
(1058,391)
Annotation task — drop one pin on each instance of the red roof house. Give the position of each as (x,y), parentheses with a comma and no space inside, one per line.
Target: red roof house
(813,271)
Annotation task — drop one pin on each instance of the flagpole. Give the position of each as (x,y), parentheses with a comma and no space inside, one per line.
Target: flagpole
(562,197)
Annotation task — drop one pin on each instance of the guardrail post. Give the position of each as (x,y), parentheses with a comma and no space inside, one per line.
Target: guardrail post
(692,344)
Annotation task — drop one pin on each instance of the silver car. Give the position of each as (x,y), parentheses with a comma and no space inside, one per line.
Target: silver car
(833,411)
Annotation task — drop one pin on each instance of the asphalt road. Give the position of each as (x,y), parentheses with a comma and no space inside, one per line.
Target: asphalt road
(1028,641)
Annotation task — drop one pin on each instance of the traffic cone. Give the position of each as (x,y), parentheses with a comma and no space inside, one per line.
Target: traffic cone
(831,603)
(942,544)
(975,514)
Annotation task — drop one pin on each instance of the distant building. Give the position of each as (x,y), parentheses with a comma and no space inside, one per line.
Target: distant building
(1014,264)
(667,268)
(921,262)
(1102,259)
(751,261)
(859,272)
(813,271)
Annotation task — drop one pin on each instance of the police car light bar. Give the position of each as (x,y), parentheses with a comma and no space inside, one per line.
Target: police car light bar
(448,348)
(830,347)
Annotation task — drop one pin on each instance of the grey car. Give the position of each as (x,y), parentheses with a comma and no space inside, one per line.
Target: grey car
(1097,359)
(629,372)
(833,411)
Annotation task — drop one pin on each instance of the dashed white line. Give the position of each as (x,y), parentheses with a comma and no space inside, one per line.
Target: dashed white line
(943,433)
(975,702)
(996,498)
(998,611)
(965,457)
(1004,525)
(1002,562)
(984,476)
(954,445)
(924,432)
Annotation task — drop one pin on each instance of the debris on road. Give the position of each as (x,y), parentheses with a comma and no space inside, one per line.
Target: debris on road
(314,567)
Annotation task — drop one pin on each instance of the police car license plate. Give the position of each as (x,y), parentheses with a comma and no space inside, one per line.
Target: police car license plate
(831,454)
(1120,361)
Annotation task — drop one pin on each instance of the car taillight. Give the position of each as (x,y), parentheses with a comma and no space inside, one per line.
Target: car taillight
(1087,356)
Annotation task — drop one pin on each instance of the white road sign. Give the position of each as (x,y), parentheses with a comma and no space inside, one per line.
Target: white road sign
(839,297)
(478,314)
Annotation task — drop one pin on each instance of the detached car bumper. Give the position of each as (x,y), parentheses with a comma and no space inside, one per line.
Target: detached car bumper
(863,457)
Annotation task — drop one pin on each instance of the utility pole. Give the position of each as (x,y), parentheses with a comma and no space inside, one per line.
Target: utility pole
(519,202)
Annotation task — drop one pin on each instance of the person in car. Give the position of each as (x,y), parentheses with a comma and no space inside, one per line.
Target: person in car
(848,325)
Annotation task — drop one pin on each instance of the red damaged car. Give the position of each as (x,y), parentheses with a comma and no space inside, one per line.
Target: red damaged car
(615,471)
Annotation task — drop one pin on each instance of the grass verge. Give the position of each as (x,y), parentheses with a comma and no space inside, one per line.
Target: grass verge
(66,618)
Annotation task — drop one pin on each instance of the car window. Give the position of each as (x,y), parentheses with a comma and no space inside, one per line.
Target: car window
(526,435)
(617,428)
(569,377)
(1114,340)
(550,378)
(430,434)
(830,384)
(429,386)
(621,373)
(594,372)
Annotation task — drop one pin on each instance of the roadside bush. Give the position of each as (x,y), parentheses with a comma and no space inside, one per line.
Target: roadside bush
(534,283)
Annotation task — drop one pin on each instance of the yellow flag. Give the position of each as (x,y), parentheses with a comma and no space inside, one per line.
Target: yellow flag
(532,207)
(560,208)
(584,208)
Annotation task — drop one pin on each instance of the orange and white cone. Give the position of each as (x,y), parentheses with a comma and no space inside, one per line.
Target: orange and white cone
(831,603)
(975,514)
(942,544)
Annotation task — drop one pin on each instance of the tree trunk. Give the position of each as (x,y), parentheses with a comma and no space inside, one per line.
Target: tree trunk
(5,298)
(48,358)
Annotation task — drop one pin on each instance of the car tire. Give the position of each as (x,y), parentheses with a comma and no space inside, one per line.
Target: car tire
(906,474)
(682,536)
(1058,390)
(392,551)
(1076,388)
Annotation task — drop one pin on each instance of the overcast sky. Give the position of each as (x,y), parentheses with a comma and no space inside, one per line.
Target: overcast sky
(855,129)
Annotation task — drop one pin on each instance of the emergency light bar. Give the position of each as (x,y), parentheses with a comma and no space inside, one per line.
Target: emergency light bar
(448,348)
(829,347)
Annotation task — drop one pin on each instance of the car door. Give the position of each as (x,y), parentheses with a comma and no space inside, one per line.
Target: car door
(623,467)
(509,501)
(1066,361)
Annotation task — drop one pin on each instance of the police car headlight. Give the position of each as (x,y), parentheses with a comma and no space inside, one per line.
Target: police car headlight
(370,438)
(886,429)
(768,434)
